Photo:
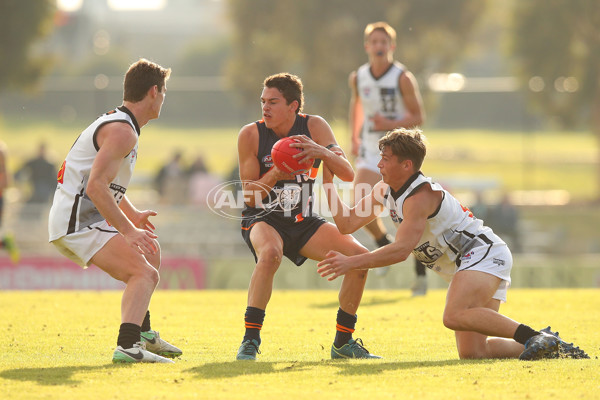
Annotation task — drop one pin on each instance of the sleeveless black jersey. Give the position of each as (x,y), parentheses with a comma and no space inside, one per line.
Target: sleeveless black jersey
(289,199)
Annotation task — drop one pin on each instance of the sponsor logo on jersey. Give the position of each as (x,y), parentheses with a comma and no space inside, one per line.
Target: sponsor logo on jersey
(395,217)
(133,155)
(118,191)
(61,173)
(467,257)
(267,161)
(426,253)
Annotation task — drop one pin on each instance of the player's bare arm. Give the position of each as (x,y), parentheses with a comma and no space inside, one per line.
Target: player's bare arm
(322,136)
(413,105)
(417,209)
(116,141)
(355,114)
(255,187)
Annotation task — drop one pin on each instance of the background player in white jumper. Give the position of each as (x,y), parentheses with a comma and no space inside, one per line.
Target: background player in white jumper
(92,221)
(446,236)
(385,96)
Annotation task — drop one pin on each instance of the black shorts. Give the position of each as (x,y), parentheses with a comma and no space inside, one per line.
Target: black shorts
(294,234)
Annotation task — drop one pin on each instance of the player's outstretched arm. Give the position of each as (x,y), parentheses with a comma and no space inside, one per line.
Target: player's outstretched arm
(416,210)
(349,220)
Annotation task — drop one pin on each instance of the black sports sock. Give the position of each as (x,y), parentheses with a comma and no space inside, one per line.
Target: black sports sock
(146,323)
(253,320)
(344,328)
(128,335)
(382,241)
(419,268)
(524,333)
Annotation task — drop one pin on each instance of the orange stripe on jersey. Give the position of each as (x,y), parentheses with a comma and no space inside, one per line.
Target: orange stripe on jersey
(313,172)
(245,229)
(342,328)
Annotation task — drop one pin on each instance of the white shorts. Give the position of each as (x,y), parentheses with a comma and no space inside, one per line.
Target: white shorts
(81,246)
(497,262)
(369,154)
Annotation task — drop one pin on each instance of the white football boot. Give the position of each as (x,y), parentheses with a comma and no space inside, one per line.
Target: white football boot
(137,353)
(159,346)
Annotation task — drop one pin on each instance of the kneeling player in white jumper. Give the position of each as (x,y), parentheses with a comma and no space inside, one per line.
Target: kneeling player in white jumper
(448,239)
(92,221)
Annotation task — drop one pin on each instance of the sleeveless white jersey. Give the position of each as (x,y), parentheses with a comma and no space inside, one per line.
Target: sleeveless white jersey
(380,95)
(377,95)
(72,210)
(451,232)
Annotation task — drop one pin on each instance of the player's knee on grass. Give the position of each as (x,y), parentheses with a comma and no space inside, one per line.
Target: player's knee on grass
(471,353)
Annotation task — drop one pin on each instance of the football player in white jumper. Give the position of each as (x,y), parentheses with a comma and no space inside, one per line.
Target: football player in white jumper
(447,238)
(92,221)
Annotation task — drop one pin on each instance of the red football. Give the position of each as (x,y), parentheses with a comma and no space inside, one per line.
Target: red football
(282,155)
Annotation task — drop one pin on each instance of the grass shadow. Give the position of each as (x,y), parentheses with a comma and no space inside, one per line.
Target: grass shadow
(366,302)
(233,369)
(54,376)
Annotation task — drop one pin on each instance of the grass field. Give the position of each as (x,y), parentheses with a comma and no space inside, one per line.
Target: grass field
(58,345)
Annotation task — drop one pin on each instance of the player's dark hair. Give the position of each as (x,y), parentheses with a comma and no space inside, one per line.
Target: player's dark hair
(141,76)
(406,144)
(383,27)
(290,87)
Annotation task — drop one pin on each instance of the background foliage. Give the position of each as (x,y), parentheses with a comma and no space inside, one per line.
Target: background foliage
(23,22)
(322,41)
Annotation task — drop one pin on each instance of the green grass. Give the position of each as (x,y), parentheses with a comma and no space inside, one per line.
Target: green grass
(514,160)
(58,345)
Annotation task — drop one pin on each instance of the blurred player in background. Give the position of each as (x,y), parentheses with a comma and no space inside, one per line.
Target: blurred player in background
(7,240)
(92,221)
(278,219)
(444,235)
(385,96)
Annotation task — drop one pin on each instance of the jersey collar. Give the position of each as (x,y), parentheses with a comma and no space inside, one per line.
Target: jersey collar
(396,195)
(135,123)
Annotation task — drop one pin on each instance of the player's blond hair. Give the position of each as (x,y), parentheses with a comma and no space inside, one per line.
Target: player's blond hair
(406,144)
(383,27)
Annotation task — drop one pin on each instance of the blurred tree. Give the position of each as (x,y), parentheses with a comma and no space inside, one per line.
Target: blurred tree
(23,22)
(203,57)
(322,41)
(557,46)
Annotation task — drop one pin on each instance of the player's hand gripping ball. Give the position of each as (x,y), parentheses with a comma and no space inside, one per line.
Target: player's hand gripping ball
(282,155)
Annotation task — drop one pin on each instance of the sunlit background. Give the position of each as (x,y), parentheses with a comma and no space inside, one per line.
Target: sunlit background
(510,89)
